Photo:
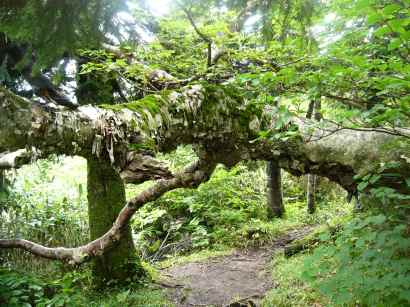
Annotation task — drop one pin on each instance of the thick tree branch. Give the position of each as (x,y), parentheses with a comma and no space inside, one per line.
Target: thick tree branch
(211,116)
(191,177)
(85,132)
(225,126)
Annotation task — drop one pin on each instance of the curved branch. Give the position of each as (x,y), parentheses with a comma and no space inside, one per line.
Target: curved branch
(204,37)
(191,177)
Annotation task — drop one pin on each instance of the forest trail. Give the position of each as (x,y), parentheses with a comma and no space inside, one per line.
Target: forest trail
(239,279)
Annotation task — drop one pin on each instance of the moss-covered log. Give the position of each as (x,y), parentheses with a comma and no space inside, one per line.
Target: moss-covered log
(312,240)
(211,116)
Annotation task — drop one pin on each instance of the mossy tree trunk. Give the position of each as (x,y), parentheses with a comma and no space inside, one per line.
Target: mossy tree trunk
(106,198)
(274,191)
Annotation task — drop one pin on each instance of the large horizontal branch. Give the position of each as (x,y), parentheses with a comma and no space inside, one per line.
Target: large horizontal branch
(191,177)
(212,116)
(85,132)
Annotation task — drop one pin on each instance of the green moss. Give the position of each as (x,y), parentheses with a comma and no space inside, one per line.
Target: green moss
(151,103)
(149,144)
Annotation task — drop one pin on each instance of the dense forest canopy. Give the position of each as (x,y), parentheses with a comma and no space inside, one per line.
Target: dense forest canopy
(317,88)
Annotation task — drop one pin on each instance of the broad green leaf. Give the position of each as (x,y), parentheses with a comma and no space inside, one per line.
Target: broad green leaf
(374,17)
(391,9)
(362,185)
(394,44)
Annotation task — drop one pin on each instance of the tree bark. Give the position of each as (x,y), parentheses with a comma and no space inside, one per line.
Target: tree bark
(311,191)
(311,179)
(208,116)
(274,190)
(106,198)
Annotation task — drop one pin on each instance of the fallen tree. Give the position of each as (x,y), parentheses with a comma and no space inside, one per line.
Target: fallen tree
(223,127)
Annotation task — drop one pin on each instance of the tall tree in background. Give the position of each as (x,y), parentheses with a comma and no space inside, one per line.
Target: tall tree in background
(313,111)
(274,189)
(279,20)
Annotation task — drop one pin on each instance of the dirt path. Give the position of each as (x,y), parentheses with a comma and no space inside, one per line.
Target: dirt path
(239,279)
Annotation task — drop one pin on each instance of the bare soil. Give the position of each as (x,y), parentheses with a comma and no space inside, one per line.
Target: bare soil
(239,279)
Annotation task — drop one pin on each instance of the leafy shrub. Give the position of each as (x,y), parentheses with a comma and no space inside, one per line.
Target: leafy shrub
(46,203)
(19,289)
(291,290)
(368,263)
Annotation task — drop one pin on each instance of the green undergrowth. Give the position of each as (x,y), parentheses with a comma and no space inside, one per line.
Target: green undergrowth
(290,290)
(45,202)
(73,289)
(228,211)
(287,271)
(182,226)
(361,260)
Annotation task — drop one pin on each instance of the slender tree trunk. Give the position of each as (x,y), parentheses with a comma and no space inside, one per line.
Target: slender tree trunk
(311,191)
(106,197)
(1,179)
(2,186)
(274,184)
(313,111)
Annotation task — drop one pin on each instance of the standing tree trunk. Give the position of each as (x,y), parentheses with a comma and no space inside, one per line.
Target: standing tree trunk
(311,191)
(311,179)
(106,197)
(313,110)
(3,188)
(274,184)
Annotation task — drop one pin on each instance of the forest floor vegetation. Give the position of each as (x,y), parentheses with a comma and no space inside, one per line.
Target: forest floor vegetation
(214,245)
